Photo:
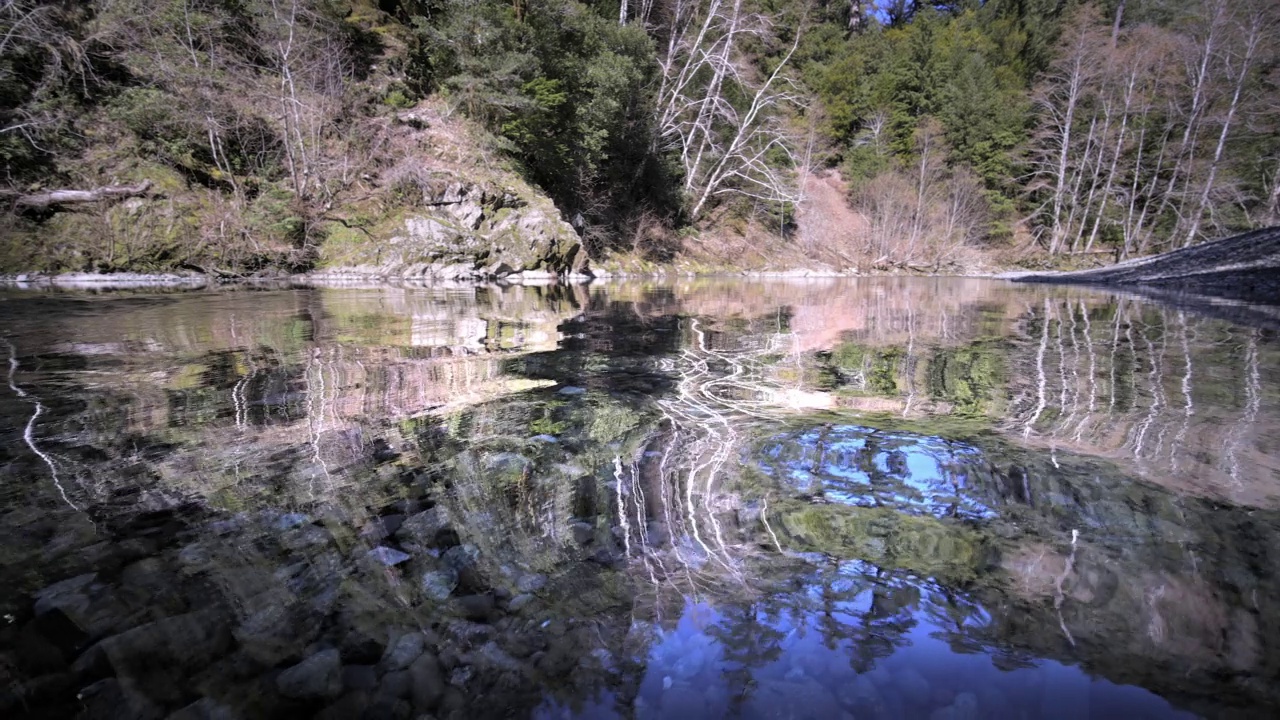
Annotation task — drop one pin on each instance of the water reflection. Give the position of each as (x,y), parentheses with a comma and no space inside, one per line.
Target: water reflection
(881,498)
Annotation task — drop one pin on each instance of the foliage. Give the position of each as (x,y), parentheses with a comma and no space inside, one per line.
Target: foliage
(1098,127)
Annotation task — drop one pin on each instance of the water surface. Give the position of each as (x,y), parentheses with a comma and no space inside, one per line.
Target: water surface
(872,498)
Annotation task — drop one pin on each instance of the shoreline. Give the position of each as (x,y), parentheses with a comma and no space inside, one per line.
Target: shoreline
(339,278)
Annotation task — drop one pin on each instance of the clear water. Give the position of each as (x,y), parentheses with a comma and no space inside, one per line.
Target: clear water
(875,498)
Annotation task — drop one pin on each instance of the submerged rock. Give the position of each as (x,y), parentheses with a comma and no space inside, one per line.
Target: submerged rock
(427,684)
(479,608)
(114,699)
(531,583)
(583,533)
(317,677)
(205,709)
(388,556)
(439,584)
(402,652)
(519,603)
(359,677)
(914,688)
(423,529)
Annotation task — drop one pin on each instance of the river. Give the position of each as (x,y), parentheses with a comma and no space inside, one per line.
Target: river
(926,498)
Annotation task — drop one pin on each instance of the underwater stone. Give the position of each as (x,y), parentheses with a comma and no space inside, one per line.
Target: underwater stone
(880,676)
(423,528)
(531,583)
(912,685)
(519,603)
(427,683)
(402,652)
(479,608)
(112,698)
(965,707)
(388,556)
(583,533)
(359,677)
(55,595)
(859,691)
(682,701)
(395,685)
(319,676)
(439,584)
(461,557)
(205,709)
(288,520)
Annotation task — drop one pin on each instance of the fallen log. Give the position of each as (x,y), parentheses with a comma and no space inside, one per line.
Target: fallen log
(52,198)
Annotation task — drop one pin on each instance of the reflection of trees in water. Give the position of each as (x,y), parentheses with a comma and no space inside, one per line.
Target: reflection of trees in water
(1179,396)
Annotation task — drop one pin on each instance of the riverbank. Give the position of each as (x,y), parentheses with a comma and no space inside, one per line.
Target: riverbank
(1245,267)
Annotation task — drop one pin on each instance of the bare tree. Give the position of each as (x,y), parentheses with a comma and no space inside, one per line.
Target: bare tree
(724,117)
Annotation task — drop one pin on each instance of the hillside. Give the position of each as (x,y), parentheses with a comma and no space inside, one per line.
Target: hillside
(472,138)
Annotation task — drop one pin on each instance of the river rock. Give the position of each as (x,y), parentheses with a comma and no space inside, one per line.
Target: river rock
(113,699)
(583,533)
(427,683)
(317,677)
(683,701)
(860,691)
(395,685)
(205,709)
(439,584)
(531,583)
(359,677)
(91,607)
(388,556)
(158,656)
(914,688)
(479,608)
(350,705)
(519,603)
(402,652)
(422,531)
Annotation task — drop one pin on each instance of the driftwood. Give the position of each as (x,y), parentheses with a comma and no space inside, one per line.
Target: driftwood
(70,197)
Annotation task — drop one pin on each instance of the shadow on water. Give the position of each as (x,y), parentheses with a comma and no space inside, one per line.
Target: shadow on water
(888,498)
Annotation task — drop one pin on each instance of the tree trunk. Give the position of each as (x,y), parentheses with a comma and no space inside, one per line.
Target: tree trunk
(71,197)
(1246,63)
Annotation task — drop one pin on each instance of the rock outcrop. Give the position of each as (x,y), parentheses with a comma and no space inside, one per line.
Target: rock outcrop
(472,231)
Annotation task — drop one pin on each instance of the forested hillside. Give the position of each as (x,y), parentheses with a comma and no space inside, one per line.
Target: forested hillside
(261,134)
